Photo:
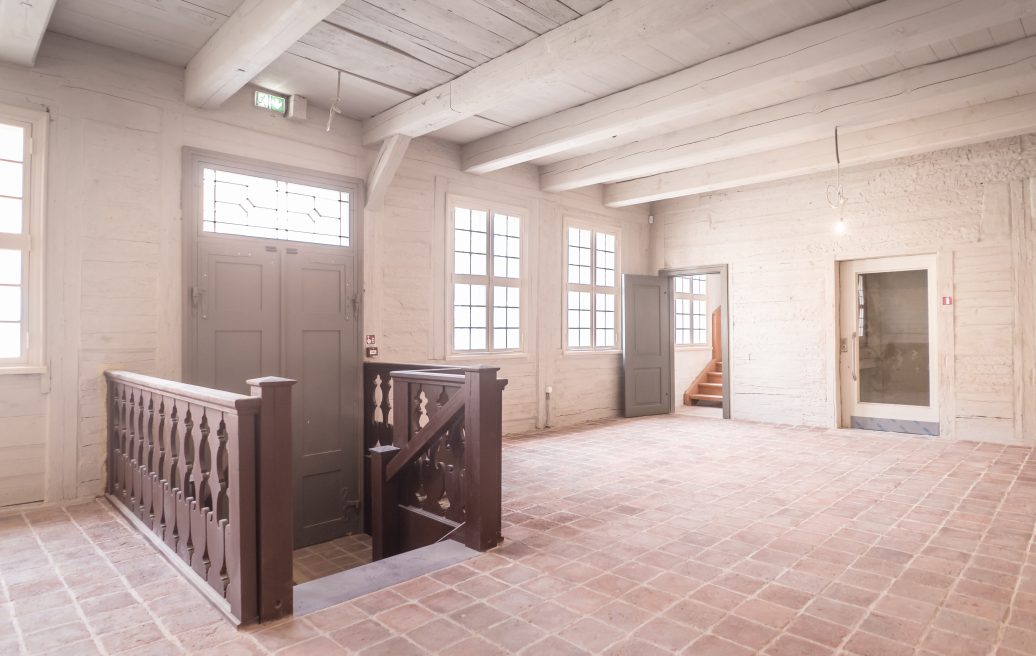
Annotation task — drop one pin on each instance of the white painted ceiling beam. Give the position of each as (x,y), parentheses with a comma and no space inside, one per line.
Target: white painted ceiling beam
(22,26)
(767,73)
(979,77)
(959,127)
(391,155)
(257,33)
(617,26)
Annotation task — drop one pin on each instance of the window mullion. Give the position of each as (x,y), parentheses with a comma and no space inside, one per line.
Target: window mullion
(14,242)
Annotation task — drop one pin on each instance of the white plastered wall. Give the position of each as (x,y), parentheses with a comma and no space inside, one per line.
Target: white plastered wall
(971,206)
(114,290)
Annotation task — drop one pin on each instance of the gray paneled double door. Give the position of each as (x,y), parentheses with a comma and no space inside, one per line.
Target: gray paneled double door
(287,310)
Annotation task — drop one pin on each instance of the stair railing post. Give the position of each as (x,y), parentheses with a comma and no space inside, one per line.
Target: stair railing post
(482,453)
(385,529)
(274,497)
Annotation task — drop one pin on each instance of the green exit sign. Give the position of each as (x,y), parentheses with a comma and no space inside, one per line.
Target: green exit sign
(273,102)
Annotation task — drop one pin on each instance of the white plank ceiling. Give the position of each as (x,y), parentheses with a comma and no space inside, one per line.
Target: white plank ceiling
(390,51)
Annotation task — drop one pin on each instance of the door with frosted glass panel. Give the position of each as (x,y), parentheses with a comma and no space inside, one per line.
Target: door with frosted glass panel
(887,345)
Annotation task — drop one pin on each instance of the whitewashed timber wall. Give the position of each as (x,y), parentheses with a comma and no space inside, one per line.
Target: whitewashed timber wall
(972,206)
(113,246)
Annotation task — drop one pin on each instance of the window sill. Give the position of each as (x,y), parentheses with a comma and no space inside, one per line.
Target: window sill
(585,352)
(482,356)
(703,347)
(21,370)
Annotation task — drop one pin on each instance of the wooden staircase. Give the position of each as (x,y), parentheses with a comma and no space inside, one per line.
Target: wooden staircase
(707,388)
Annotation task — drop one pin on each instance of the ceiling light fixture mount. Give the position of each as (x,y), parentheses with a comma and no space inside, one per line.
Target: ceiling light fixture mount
(335,109)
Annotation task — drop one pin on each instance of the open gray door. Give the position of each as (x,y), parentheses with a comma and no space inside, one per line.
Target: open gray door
(647,343)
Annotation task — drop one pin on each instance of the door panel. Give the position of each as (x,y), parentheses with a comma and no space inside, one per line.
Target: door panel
(888,365)
(646,345)
(237,314)
(322,354)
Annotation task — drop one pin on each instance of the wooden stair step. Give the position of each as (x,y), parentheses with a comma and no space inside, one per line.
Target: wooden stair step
(715,377)
(711,388)
(707,397)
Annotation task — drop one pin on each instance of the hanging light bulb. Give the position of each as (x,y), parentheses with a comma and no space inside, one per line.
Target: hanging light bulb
(836,193)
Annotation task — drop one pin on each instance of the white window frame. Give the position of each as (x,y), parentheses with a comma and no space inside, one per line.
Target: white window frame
(691,297)
(30,241)
(454,201)
(594,229)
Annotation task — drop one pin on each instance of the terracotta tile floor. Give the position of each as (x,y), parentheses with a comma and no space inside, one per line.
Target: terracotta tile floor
(652,536)
(320,560)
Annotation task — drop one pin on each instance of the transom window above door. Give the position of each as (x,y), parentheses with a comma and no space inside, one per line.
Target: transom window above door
(486,277)
(238,203)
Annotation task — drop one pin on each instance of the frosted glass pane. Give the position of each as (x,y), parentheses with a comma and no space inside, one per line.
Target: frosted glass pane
(10,215)
(10,267)
(10,340)
(12,142)
(10,303)
(894,340)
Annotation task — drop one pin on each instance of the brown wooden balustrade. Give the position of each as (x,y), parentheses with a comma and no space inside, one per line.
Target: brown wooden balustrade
(441,474)
(206,476)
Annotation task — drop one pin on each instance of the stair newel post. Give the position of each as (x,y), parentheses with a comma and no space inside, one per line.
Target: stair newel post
(482,430)
(274,498)
(385,536)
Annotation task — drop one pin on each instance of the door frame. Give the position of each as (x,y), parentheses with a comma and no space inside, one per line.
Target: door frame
(933,263)
(190,233)
(723,270)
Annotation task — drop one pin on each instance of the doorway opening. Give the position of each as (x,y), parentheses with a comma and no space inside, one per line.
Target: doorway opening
(698,372)
(888,369)
(272,266)
(700,345)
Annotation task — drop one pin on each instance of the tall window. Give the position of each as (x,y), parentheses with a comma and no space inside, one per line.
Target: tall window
(691,301)
(20,247)
(487,273)
(591,284)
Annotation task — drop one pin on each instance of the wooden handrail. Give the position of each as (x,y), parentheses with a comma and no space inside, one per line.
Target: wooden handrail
(717,334)
(184,392)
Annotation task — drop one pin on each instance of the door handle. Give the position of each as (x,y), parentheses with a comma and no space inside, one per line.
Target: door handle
(852,358)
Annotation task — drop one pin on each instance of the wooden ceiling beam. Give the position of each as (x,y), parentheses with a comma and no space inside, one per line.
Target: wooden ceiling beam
(773,71)
(618,25)
(257,33)
(982,76)
(22,26)
(958,127)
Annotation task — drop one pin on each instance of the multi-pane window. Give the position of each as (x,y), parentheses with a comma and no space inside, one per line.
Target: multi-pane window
(487,269)
(591,288)
(237,203)
(690,305)
(15,228)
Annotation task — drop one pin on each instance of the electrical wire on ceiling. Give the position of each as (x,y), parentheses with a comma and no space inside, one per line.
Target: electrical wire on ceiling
(836,197)
(335,109)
